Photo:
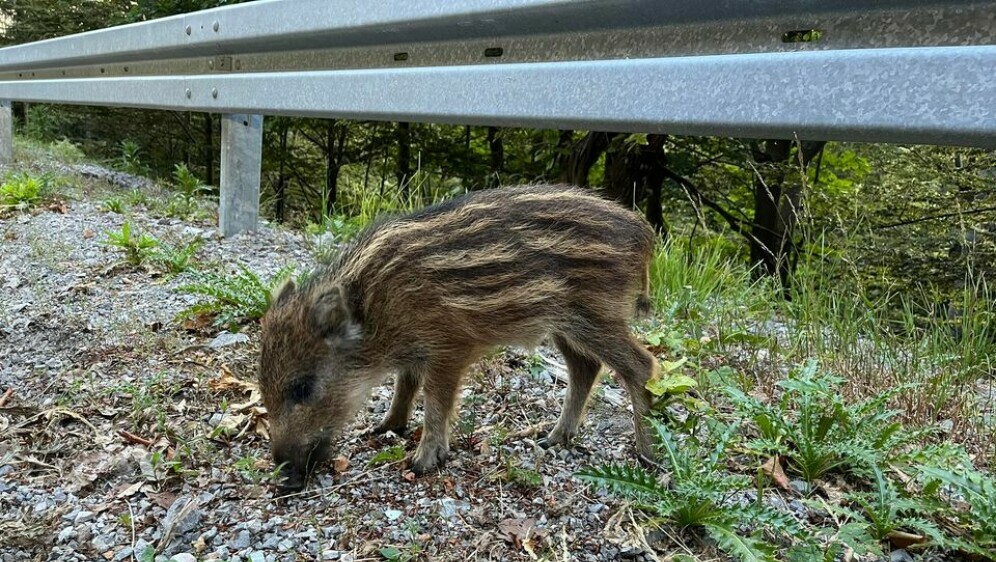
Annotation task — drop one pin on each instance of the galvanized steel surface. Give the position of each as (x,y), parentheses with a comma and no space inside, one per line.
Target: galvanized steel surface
(6,133)
(889,95)
(283,25)
(241,150)
(892,70)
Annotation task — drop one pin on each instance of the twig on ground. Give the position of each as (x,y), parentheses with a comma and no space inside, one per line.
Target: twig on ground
(132,438)
(530,431)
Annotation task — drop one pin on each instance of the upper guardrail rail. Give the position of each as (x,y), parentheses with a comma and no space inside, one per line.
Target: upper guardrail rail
(268,26)
(921,71)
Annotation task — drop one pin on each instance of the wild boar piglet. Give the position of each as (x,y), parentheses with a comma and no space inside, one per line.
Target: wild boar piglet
(425,295)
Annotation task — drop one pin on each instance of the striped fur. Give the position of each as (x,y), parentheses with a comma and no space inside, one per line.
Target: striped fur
(424,295)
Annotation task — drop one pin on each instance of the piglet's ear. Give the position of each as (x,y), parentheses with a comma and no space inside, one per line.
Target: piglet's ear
(282,292)
(331,318)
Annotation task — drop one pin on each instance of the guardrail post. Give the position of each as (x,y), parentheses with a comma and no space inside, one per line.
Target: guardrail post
(6,133)
(241,161)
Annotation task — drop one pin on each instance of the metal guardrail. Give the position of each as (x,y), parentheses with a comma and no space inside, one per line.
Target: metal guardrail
(914,71)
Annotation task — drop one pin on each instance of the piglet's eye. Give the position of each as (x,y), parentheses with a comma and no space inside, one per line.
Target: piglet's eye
(300,390)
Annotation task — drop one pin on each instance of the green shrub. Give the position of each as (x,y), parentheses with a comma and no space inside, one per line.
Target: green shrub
(114,205)
(184,202)
(976,492)
(131,158)
(231,298)
(136,247)
(22,190)
(176,259)
(821,432)
(697,498)
(65,151)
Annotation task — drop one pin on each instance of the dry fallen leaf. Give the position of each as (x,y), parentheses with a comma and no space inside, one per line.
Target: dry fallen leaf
(228,381)
(340,464)
(88,233)
(250,405)
(409,476)
(262,428)
(198,323)
(516,531)
(199,544)
(231,424)
(773,468)
(163,499)
(905,540)
(130,490)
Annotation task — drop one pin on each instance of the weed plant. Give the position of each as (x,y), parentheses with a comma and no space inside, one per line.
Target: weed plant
(189,188)
(232,298)
(137,247)
(23,190)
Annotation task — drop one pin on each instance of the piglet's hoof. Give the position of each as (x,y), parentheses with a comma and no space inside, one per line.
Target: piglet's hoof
(381,429)
(428,459)
(555,439)
(291,482)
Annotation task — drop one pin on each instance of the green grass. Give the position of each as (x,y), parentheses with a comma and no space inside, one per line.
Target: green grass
(356,209)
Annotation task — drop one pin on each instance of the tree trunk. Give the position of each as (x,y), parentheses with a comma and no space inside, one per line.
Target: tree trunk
(777,204)
(637,174)
(404,172)
(584,155)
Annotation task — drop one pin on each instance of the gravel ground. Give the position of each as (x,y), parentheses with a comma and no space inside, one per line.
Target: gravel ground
(130,435)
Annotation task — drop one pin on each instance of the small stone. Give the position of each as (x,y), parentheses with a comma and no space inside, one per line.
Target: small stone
(393,514)
(183,557)
(102,543)
(257,556)
(123,554)
(41,506)
(285,545)
(800,486)
(799,508)
(209,535)
(449,508)
(181,518)
(596,507)
(242,540)
(331,555)
(226,339)
(141,545)
(66,535)
(900,555)
(83,517)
